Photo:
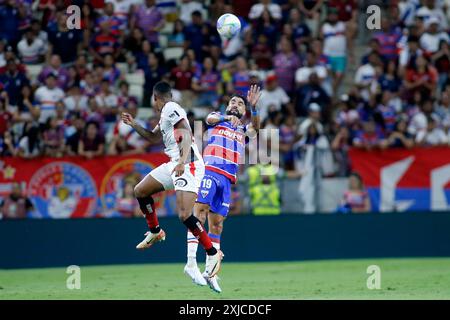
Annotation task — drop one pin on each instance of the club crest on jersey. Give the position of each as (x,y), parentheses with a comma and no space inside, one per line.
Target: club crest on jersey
(180,182)
(204,193)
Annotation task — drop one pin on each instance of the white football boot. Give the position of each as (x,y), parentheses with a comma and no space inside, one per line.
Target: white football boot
(194,273)
(213,263)
(150,239)
(213,282)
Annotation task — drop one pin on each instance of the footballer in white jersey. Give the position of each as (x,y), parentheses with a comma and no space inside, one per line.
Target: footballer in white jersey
(183,173)
(171,114)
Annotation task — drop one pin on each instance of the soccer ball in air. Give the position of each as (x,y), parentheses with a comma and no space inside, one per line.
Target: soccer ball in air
(228,25)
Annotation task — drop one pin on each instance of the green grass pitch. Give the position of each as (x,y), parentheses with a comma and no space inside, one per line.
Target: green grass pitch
(336,279)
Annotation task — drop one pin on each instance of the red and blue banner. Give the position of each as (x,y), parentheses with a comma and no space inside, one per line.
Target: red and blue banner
(74,187)
(417,179)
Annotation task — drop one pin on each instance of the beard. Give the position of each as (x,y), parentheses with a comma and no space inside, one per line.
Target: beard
(234,113)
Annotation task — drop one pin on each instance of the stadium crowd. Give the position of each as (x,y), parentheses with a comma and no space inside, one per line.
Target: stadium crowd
(300,52)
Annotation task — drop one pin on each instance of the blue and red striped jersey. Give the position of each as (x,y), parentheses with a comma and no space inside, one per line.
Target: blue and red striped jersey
(226,145)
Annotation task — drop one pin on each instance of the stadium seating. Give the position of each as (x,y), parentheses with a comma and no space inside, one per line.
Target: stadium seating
(136,78)
(145,113)
(168,28)
(173,53)
(163,40)
(137,91)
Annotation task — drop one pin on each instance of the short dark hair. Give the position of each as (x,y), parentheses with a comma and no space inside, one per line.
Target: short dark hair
(124,83)
(240,97)
(359,177)
(162,89)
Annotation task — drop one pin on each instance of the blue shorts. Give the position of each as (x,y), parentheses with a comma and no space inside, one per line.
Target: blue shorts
(215,190)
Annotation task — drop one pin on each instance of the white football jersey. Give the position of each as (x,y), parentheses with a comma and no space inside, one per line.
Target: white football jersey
(171,114)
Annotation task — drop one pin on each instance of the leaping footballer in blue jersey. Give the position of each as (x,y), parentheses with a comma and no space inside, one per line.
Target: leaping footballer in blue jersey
(227,137)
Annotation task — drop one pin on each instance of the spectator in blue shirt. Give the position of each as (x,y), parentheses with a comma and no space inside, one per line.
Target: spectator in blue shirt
(309,93)
(301,32)
(193,36)
(13,81)
(153,73)
(64,42)
(389,79)
(9,22)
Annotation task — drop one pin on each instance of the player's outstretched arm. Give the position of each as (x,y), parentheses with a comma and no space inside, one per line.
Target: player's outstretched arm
(214,118)
(152,136)
(253,96)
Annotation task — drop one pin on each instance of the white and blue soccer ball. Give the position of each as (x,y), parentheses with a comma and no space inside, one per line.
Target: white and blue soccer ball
(228,25)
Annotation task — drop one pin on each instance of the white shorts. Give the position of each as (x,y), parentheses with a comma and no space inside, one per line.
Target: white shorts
(189,181)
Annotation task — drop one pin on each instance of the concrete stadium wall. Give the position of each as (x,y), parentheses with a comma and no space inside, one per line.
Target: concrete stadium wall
(51,243)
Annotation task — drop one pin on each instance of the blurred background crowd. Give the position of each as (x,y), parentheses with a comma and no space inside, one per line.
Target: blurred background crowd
(327,80)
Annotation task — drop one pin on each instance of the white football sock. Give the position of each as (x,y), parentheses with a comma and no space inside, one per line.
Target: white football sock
(192,245)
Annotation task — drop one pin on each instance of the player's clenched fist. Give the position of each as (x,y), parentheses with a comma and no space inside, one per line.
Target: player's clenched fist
(178,170)
(127,118)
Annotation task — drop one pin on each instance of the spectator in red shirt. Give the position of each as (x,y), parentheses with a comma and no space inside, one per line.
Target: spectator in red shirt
(422,78)
(182,76)
(346,9)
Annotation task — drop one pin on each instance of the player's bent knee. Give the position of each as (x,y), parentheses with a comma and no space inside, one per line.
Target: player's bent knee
(183,211)
(139,191)
(183,214)
(201,211)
